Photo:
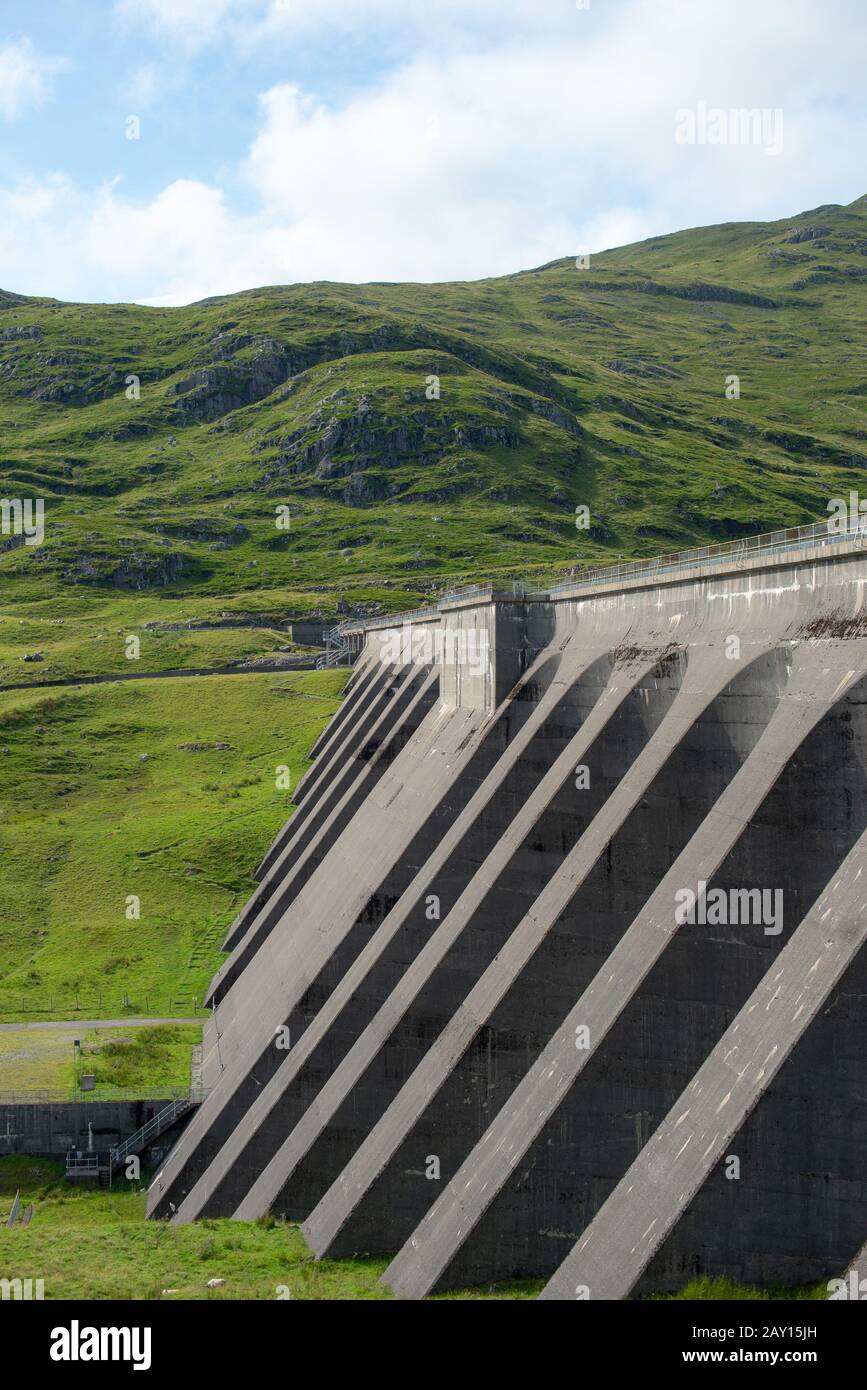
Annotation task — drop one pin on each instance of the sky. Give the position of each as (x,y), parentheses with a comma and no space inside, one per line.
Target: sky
(161,151)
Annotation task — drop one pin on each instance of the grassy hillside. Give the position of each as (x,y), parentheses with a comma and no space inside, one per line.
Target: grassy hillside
(162,790)
(559,387)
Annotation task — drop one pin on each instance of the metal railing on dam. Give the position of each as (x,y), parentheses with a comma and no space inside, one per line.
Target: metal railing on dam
(770,544)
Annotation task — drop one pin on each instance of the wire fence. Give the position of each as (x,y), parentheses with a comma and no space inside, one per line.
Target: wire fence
(66,1095)
(100,1006)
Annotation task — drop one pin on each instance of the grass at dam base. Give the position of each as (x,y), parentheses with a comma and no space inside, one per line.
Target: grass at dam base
(97,1245)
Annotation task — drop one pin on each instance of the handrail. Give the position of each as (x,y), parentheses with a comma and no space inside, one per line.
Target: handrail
(417,615)
(335,647)
(766,543)
(155,1125)
(82,1162)
(466,591)
(747,547)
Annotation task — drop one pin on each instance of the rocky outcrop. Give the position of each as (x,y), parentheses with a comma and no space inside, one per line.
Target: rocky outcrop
(205,528)
(21,333)
(808,234)
(713,294)
(212,392)
(138,570)
(363,445)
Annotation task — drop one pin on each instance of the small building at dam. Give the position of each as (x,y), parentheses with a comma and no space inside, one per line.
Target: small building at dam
(558,969)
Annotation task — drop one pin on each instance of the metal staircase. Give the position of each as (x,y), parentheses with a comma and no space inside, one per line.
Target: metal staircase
(337,649)
(100,1167)
(156,1126)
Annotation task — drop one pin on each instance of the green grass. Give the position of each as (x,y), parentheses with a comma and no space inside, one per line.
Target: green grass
(725,1290)
(80,635)
(157,1056)
(116,792)
(136,1058)
(97,1245)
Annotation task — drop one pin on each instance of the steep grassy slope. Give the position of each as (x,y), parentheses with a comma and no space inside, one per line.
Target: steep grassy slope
(160,790)
(558,387)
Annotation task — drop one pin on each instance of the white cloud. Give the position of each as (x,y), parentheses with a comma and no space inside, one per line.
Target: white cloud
(26,77)
(190,23)
(537,149)
(183,243)
(253,22)
(432,24)
(143,85)
(481,159)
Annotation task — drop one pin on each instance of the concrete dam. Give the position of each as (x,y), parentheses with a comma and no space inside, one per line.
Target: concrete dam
(558,969)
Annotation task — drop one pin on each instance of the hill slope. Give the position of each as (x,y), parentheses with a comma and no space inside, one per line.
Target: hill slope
(558,387)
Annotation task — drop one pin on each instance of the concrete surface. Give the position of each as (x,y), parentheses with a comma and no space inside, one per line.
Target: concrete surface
(485,862)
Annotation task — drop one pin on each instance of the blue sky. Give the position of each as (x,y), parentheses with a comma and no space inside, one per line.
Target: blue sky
(197,99)
(286,140)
